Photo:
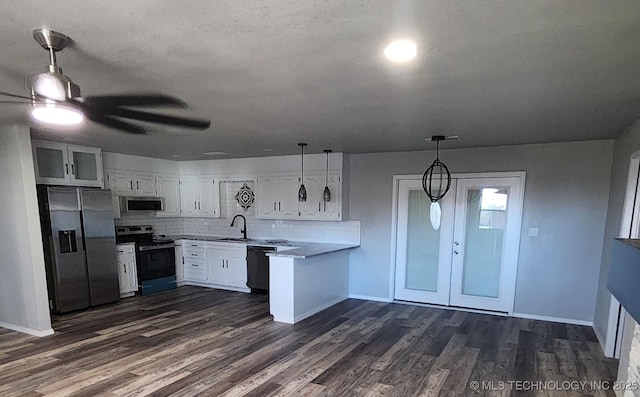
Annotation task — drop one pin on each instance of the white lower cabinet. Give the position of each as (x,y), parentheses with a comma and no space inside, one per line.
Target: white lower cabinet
(179,262)
(127,275)
(219,265)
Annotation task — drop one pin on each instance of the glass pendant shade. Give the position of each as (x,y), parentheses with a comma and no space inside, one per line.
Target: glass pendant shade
(302,191)
(326,193)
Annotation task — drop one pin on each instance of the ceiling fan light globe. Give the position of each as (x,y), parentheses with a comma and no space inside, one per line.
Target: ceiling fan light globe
(58,115)
(49,86)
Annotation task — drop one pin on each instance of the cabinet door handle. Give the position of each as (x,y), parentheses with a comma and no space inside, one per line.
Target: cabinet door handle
(131,185)
(274,205)
(223,263)
(66,167)
(195,205)
(279,208)
(72,171)
(138,185)
(198,205)
(125,268)
(318,207)
(325,207)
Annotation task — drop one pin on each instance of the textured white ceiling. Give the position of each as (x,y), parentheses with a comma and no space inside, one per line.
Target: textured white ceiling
(273,73)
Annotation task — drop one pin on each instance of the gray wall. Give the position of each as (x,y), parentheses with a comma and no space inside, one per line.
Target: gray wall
(23,288)
(566,197)
(625,145)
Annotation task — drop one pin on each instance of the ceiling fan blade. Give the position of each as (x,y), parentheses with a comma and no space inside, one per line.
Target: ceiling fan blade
(115,123)
(16,102)
(10,95)
(145,100)
(199,124)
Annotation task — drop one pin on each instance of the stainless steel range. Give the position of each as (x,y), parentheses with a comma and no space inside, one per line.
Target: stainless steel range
(155,258)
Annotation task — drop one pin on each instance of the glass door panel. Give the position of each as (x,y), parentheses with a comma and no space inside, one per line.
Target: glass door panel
(486,240)
(85,166)
(423,256)
(422,245)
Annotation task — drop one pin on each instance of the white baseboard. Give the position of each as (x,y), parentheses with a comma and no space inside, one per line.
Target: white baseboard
(318,309)
(24,330)
(554,319)
(370,298)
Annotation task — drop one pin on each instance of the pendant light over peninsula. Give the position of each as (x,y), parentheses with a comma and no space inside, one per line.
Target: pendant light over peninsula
(326,193)
(436,181)
(302,191)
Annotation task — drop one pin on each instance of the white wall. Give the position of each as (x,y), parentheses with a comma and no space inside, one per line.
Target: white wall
(23,288)
(566,197)
(625,145)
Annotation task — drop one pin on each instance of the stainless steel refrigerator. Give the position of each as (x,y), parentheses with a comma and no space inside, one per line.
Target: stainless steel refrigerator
(79,247)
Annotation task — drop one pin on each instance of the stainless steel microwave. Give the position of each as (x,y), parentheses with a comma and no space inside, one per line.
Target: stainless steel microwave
(141,204)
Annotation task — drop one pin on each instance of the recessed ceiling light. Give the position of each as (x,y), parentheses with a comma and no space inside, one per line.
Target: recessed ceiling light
(401,51)
(267,150)
(216,153)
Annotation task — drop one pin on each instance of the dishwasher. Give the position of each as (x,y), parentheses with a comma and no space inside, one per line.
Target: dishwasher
(258,268)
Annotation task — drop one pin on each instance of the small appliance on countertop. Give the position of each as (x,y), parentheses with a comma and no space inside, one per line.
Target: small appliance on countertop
(155,258)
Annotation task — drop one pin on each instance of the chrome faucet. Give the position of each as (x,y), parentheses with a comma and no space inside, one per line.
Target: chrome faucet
(244,229)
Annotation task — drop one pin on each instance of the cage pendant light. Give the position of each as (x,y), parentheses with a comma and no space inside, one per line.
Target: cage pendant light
(326,193)
(436,182)
(302,191)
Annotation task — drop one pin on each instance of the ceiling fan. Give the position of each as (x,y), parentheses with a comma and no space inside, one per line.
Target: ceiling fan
(56,99)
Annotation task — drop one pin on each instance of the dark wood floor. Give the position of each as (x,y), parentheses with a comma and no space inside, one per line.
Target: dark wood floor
(196,341)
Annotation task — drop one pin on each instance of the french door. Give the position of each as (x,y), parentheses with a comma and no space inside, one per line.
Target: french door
(471,261)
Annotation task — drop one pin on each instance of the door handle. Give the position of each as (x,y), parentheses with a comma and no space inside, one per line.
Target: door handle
(138,185)
(223,263)
(279,208)
(319,207)
(195,205)
(274,205)
(131,185)
(66,167)
(125,268)
(72,171)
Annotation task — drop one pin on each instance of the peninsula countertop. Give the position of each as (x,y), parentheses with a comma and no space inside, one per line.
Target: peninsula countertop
(286,248)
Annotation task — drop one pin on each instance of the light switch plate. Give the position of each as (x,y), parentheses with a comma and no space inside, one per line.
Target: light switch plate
(533,232)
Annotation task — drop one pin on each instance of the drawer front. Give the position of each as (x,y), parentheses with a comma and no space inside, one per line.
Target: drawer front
(195,274)
(193,244)
(193,254)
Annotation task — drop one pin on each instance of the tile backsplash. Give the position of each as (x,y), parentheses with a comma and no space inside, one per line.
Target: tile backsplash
(316,231)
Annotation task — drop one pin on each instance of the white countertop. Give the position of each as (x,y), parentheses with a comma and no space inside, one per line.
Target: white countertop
(292,249)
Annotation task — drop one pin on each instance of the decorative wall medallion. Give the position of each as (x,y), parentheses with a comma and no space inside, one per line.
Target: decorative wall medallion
(245,196)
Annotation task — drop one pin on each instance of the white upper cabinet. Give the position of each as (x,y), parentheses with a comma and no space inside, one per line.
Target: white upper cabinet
(168,187)
(277,197)
(130,183)
(61,164)
(200,197)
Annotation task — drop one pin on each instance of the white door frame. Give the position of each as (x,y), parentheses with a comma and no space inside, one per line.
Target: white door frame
(394,216)
(629,228)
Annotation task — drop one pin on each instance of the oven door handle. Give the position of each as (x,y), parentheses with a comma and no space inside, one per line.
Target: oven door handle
(155,247)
